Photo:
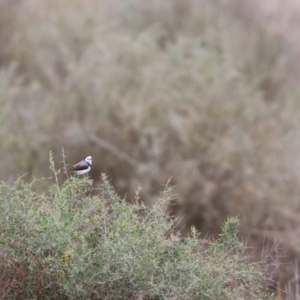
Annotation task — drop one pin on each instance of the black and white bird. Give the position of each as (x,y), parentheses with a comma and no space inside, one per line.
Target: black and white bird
(83,166)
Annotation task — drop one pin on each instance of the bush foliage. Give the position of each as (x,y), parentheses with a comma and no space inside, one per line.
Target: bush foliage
(68,244)
(204,91)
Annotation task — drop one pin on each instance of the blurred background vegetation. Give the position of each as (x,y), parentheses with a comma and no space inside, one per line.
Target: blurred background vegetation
(205,92)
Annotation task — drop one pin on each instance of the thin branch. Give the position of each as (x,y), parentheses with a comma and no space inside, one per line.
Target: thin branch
(114,150)
(140,167)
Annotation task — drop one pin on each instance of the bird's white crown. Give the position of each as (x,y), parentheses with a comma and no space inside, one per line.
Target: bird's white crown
(88,159)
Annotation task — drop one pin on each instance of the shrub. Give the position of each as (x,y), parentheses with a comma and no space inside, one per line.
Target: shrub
(70,244)
(196,90)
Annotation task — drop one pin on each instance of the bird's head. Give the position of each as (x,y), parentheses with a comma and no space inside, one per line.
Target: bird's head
(88,159)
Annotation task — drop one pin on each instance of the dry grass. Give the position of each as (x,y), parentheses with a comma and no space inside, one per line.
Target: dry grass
(194,90)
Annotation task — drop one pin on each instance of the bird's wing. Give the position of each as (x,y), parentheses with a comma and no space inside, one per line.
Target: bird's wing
(82,165)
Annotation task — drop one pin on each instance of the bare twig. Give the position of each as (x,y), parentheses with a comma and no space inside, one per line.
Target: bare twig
(114,150)
(140,167)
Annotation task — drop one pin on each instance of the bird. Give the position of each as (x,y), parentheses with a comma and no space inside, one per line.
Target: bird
(83,166)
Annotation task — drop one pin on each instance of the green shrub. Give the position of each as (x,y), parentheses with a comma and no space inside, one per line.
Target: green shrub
(190,89)
(78,242)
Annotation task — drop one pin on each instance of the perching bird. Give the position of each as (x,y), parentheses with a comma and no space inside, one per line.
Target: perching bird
(83,166)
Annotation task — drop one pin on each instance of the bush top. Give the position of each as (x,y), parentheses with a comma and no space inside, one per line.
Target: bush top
(77,242)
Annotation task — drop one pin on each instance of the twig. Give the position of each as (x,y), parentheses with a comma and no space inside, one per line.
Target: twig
(168,182)
(114,150)
(140,167)
(64,161)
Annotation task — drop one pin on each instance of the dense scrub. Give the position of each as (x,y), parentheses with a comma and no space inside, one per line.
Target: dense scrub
(67,244)
(199,91)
